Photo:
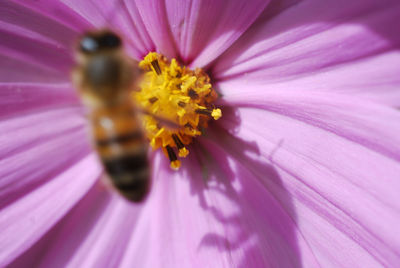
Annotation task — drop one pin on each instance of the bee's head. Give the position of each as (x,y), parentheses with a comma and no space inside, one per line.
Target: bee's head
(103,71)
(95,42)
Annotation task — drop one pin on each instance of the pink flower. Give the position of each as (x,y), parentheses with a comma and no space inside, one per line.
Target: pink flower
(303,169)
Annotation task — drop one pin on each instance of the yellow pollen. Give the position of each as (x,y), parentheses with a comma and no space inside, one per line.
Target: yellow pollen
(178,103)
(183,152)
(216,114)
(176,164)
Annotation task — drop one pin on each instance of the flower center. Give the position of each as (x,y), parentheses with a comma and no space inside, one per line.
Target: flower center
(177,102)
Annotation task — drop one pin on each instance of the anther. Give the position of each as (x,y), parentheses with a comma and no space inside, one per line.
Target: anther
(156,66)
(183,152)
(193,94)
(177,141)
(189,126)
(175,163)
(181,104)
(215,113)
(204,111)
(171,153)
(153,100)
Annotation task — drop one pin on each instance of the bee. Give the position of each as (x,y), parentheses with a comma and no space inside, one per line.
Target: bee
(104,77)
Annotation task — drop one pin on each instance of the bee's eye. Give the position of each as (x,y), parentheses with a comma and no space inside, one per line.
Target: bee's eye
(107,40)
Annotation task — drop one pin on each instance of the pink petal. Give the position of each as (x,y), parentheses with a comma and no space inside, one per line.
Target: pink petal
(35,213)
(56,12)
(39,21)
(279,241)
(23,59)
(102,14)
(101,225)
(88,209)
(146,41)
(341,47)
(338,158)
(375,79)
(19,98)
(225,219)
(33,47)
(37,147)
(197,31)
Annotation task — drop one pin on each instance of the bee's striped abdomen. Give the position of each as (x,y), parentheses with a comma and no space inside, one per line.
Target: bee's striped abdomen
(123,150)
(129,174)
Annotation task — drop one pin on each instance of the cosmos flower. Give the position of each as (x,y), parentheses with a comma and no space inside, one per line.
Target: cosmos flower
(303,168)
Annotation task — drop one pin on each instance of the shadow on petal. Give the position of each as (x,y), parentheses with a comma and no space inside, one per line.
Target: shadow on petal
(259,228)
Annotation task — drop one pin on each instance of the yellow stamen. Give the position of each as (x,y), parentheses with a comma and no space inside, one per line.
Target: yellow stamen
(216,114)
(179,102)
(175,164)
(183,152)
